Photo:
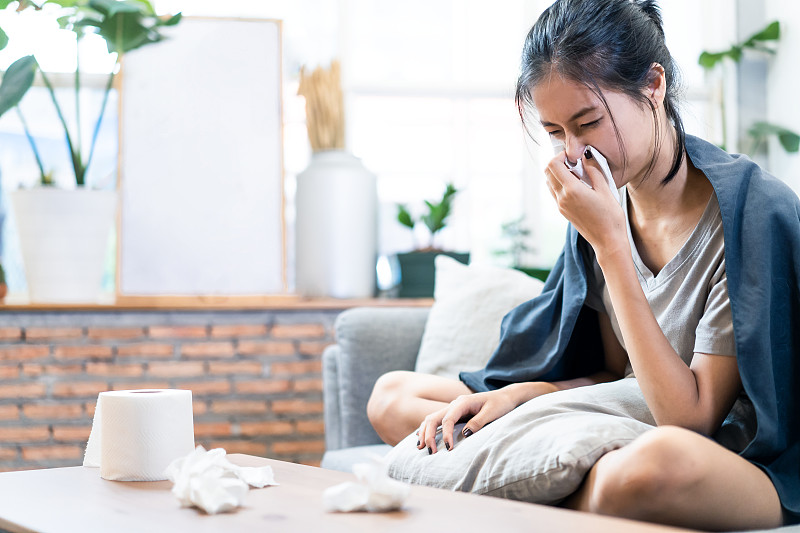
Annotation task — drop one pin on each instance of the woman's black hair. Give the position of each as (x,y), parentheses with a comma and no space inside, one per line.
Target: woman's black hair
(604,44)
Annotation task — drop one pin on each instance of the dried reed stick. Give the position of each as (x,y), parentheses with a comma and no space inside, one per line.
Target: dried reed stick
(322,90)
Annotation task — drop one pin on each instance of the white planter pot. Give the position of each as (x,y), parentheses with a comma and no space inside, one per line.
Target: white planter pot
(336,227)
(64,239)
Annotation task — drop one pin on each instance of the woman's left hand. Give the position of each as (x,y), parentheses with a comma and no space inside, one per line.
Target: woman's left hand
(594,212)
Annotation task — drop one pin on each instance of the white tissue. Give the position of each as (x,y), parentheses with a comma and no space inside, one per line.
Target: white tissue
(578,169)
(136,434)
(375,491)
(206,479)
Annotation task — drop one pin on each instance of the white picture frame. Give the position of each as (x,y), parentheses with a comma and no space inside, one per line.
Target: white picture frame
(201,165)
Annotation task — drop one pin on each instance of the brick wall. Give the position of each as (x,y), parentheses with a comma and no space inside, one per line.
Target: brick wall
(255,378)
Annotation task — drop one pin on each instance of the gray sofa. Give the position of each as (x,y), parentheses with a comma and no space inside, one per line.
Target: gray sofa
(370,342)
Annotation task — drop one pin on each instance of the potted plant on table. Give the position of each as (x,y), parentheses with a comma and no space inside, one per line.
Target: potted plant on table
(64,232)
(417,272)
(516,237)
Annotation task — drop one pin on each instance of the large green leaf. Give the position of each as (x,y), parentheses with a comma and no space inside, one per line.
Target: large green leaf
(110,8)
(708,60)
(86,22)
(173,20)
(449,192)
(148,7)
(16,82)
(404,217)
(436,219)
(437,214)
(79,17)
(124,32)
(125,7)
(5,3)
(790,141)
(123,24)
(771,33)
(3,39)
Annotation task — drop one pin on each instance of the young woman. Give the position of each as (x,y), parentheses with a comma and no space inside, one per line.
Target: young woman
(690,287)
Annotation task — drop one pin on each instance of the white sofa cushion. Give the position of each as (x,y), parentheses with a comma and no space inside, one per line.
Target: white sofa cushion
(463,326)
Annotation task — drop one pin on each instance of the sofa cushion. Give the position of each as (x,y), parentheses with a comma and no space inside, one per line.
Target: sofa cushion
(539,452)
(463,326)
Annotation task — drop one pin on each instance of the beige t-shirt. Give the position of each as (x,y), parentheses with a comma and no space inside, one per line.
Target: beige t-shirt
(689,296)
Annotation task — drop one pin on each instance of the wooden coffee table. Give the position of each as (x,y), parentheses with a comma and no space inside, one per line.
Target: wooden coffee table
(77,499)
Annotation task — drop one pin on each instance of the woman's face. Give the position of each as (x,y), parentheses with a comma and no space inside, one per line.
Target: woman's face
(575,116)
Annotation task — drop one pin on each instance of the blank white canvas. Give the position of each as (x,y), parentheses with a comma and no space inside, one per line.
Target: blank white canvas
(201,169)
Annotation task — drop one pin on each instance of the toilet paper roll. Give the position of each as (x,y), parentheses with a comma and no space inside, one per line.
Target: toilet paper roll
(137,433)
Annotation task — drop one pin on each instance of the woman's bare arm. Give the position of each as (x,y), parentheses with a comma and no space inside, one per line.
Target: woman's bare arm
(696,397)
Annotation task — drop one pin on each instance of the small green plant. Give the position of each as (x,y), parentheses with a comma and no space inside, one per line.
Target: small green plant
(124,25)
(516,235)
(436,217)
(764,42)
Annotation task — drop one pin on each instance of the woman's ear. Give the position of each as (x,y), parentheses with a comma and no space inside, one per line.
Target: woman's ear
(656,89)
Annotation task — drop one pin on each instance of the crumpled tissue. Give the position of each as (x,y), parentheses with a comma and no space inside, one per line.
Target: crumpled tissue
(206,479)
(375,491)
(578,170)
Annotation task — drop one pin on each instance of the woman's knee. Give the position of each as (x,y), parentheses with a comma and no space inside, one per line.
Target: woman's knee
(645,476)
(388,390)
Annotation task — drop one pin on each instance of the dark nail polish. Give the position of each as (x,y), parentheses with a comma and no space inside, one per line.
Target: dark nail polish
(447,445)
(417,443)
(467,432)
(587,154)
(429,450)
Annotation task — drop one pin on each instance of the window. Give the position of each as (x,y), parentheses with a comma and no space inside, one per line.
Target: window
(430,90)
(429,99)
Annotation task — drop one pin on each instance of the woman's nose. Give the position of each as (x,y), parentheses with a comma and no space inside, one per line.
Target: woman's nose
(574,150)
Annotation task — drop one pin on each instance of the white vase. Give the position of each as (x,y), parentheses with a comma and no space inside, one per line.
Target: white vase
(336,227)
(64,235)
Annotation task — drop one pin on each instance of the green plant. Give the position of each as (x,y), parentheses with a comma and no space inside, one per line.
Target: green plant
(763,41)
(516,235)
(436,217)
(124,25)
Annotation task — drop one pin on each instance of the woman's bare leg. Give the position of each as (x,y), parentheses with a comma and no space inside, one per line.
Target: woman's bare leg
(400,401)
(674,476)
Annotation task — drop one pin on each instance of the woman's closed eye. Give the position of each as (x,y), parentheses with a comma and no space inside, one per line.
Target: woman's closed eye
(557,134)
(591,124)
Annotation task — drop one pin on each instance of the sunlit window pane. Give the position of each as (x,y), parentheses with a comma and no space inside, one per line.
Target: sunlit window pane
(399,44)
(429,99)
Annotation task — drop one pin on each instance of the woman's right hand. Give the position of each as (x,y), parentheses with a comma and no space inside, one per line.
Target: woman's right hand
(484,407)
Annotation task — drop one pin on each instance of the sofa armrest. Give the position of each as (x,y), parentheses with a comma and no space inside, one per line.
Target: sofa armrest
(370,342)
